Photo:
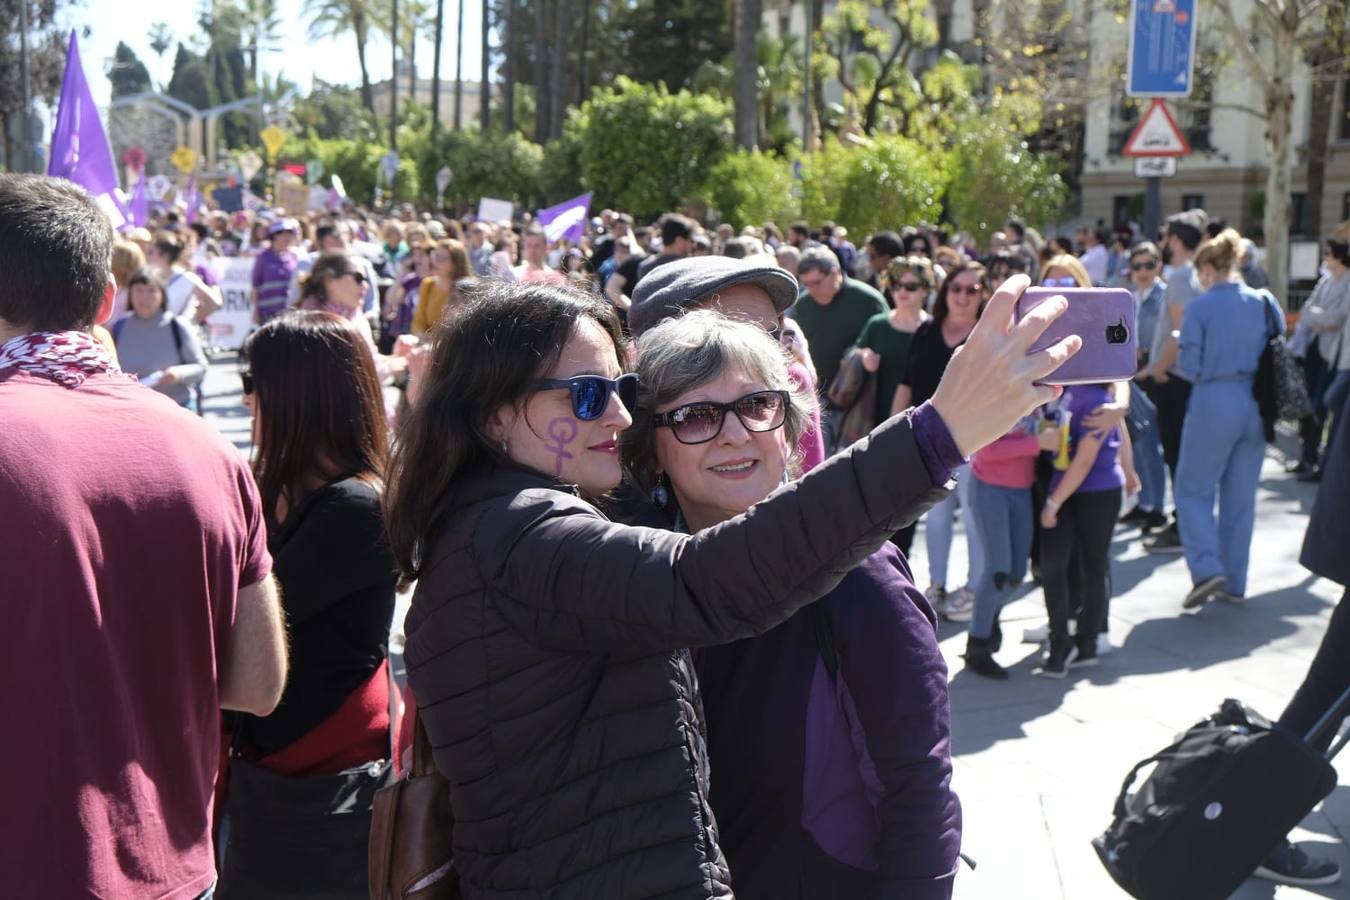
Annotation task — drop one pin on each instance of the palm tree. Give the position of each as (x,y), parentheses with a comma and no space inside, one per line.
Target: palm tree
(262,31)
(436,69)
(557,105)
(331,18)
(745,69)
(459,65)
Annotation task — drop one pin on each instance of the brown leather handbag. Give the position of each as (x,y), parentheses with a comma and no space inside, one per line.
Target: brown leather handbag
(411,824)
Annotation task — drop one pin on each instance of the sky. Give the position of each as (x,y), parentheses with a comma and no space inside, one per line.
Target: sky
(330,59)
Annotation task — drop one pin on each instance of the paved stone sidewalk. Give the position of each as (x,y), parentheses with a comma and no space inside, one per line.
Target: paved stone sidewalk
(1038,762)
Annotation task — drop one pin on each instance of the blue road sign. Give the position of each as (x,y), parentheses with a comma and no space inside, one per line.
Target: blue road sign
(1162,48)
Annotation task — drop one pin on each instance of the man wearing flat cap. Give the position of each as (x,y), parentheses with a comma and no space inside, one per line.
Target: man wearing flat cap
(748,290)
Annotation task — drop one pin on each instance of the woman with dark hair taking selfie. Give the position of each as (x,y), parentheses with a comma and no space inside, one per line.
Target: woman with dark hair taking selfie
(545,641)
(322,448)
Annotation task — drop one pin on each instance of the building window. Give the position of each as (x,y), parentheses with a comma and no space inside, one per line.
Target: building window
(1124,207)
(1345,206)
(944,23)
(1124,118)
(1298,214)
(1192,201)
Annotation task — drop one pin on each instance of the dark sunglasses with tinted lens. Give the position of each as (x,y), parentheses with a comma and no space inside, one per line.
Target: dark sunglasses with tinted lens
(591,393)
(359,276)
(973,290)
(910,286)
(698,423)
(1148,266)
(247,379)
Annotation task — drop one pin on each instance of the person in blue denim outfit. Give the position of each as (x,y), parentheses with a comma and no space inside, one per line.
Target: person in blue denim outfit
(1222,336)
(1144,267)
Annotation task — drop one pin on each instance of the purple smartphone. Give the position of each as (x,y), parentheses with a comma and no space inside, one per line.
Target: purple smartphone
(1103,318)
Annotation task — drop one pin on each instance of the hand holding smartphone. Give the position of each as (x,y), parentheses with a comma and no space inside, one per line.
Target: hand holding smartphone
(1104,318)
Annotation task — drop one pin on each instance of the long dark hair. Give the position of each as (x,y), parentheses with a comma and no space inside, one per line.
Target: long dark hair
(318,403)
(940,308)
(482,359)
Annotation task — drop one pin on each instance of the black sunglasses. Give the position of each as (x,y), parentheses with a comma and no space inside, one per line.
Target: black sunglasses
(247,379)
(591,393)
(698,423)
(1143,266)
(910,286)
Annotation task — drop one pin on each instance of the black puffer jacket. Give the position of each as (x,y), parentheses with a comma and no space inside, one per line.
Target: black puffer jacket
(544,648)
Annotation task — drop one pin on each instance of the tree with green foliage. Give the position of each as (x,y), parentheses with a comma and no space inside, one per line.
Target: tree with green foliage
(645,149)
(127,74)
(666,40)
(994,175)
(190,82)
(872,60)
(333,18)
(357,164)
(751,187)
(333,111)
(505,166)
(886,181)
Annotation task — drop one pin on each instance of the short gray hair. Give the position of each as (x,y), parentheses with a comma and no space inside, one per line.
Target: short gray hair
(818,259)
(685,353)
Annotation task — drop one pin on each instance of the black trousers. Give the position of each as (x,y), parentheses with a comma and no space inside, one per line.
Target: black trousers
(1082,538)
(1317,375)
(904,539)
(1171,397)
(1327,678)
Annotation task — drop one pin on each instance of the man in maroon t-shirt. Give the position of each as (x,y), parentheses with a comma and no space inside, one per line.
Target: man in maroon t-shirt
(135,584)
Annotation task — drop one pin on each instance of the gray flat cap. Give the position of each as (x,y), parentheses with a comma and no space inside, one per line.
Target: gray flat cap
(670,289)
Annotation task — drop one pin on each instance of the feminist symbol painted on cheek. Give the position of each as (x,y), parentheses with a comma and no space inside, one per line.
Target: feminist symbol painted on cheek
(562,431)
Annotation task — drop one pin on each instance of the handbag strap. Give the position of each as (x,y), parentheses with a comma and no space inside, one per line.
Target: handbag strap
(422,763)
(1272,323)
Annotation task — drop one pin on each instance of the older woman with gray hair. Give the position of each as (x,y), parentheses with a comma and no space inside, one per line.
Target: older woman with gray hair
(828,736)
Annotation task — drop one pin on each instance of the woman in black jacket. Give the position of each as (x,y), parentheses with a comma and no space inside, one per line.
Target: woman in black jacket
(545,642)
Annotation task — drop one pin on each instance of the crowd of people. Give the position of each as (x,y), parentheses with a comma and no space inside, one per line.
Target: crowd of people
(655,492)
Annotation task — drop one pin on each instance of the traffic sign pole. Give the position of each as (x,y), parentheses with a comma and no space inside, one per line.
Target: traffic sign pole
(1152,206)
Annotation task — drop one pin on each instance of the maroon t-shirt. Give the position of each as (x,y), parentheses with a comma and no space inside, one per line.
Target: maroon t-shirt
(127,526)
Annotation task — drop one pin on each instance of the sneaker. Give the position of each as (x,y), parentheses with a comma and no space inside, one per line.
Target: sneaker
(1154,521)
(1229,598)
(1057,661)
(1301,467)
(1104,644)
(1203,592)
(1165,541)
(1136,516)
(1287,864)
(937,596)
(960,606)
(1085,655)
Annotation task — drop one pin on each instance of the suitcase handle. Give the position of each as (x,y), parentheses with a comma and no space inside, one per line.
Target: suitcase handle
(1331,718)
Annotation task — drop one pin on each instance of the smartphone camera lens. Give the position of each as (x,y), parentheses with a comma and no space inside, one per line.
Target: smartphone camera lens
(1117,333)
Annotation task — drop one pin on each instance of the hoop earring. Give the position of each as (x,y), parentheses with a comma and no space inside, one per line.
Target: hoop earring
(660,496)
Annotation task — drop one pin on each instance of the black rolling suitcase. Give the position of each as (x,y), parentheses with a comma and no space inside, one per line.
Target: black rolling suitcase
(1221,798)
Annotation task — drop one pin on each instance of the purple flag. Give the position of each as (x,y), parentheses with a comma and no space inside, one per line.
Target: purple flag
(140,213)
(80,150)
(566,220)
(191,198)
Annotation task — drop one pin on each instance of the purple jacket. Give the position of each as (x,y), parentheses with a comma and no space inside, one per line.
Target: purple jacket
(836,787)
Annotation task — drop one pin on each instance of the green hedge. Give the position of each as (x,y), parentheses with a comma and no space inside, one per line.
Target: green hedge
(356,163)
(750,187)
